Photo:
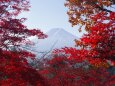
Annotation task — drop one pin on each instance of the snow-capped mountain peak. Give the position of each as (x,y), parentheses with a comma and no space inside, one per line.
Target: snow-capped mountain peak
(57,38)
(59,32)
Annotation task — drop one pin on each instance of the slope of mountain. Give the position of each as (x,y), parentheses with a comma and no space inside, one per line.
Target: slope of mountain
(57,38)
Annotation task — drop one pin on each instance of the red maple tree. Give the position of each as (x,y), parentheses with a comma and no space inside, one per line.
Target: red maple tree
(97,45)
(14,68)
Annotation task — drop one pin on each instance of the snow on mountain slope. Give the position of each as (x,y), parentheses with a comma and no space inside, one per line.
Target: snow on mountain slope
(57,38)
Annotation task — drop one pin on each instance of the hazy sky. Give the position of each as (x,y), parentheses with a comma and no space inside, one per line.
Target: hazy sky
(48,14)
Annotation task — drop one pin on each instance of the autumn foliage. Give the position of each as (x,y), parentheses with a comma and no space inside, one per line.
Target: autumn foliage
(86,66)
(14,68)
(61,71)
(99,21)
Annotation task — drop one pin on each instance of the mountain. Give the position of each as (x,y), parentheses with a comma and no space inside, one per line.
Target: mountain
(57,38)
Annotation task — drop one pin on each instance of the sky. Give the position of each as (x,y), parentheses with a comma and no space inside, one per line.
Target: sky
(49,14)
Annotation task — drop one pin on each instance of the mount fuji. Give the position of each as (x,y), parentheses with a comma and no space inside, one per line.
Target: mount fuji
(57,38)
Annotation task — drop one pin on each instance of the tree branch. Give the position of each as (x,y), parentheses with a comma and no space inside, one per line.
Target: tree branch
(101,8)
